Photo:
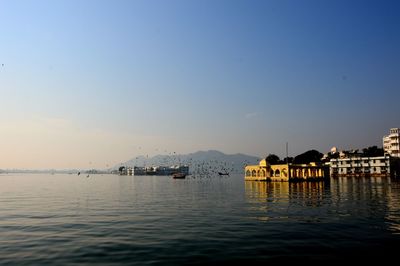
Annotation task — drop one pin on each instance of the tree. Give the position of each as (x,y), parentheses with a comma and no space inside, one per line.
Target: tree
(121,169)
(372,151)
(331,155)
(273,159)
(287,160)
(308,157)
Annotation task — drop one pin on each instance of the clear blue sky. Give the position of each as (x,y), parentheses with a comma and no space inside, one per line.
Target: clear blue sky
(93,83)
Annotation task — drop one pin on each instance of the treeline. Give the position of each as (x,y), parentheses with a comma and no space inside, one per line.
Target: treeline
(306,157)
(318,157)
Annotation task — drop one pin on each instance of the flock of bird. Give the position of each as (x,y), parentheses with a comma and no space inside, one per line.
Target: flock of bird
(209,168)
(198,168)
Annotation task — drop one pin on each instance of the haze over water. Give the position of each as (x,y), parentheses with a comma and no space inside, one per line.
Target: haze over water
(112,220)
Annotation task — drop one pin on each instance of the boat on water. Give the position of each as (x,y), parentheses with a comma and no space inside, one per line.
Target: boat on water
(226,173)
(179,176)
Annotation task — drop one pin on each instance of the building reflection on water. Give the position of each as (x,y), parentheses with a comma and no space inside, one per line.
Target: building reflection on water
(266,191)
(381,194)
(339,198)
(393,215)
(310,193)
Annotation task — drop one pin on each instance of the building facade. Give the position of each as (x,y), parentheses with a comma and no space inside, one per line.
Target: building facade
(158,170)
(381,166)
(391,143)
(284,172)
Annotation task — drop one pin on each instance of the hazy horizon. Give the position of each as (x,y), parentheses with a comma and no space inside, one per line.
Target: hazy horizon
(90,84)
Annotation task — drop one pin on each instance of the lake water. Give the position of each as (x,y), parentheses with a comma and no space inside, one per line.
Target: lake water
(142,220)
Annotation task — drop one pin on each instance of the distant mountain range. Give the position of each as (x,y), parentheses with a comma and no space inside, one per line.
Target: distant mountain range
(200,161)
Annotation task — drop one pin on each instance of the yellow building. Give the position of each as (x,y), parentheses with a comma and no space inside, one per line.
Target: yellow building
(284,172)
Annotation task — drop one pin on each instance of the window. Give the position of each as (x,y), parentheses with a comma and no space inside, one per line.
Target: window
(284,173)
(277,173)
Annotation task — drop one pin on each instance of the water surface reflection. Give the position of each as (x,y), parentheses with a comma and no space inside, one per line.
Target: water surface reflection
(69,219)
(355,201)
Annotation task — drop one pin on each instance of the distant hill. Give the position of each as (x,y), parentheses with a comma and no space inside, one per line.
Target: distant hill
(200,162)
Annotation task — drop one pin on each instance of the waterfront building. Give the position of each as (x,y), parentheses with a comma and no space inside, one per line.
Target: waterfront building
(129,171)
(160,170)
(357,166)
(285,172)
(139,170)
(391,142)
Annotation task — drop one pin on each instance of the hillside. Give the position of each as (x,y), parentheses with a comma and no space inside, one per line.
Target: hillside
(200,162)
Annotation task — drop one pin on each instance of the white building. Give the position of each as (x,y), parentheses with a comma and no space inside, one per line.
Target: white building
(159,170)
(391,143)
(362,166)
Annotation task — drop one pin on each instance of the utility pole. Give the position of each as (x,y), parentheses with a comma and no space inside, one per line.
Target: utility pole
(287,153)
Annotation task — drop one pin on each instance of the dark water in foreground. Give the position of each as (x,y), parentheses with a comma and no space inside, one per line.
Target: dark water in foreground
(112,220)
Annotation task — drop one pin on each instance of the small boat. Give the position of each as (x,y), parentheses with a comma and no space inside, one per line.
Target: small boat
(220,173)
(179,175)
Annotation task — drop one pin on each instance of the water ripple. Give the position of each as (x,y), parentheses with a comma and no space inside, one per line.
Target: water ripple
(111,220)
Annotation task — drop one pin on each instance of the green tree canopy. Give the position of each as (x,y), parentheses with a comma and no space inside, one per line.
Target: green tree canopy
(273,159)
(373,151)
(121,169)
(308,157)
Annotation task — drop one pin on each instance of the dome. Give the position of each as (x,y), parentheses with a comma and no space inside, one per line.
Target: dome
(264,163)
